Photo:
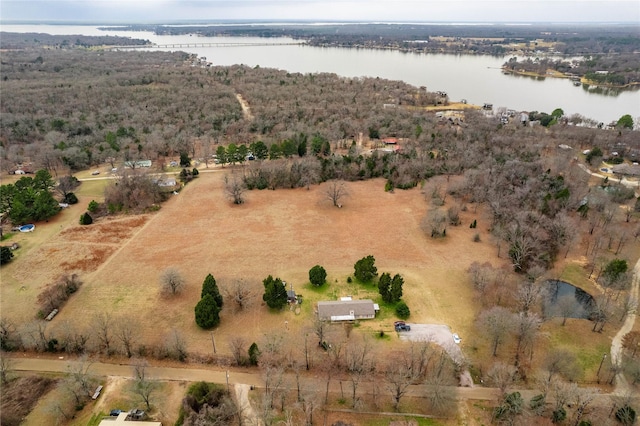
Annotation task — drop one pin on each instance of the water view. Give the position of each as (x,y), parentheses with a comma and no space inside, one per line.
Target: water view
(478,79)
(566,300)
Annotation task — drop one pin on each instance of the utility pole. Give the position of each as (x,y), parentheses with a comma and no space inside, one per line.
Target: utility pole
(214,343)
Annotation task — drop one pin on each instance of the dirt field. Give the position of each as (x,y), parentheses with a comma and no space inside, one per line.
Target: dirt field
(283,233)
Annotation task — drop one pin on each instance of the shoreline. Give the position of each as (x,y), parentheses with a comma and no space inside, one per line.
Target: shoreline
(557,74)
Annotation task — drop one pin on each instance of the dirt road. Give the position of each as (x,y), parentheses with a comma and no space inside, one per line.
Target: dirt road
(622,386)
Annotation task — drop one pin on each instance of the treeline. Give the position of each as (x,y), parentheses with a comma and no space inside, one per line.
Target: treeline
(619,69)
(42,40)
(571,39)
(81,108)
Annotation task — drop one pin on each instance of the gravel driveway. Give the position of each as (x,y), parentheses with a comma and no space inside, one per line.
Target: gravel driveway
(441,335)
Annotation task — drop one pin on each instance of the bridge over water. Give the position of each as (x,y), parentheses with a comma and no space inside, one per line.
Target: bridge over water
(186,45)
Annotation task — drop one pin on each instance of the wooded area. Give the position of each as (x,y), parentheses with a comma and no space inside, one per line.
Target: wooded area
(64,110)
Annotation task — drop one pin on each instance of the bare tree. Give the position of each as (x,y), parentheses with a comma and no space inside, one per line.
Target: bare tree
(172,281)
(336,191)
(126,333)
(567,307)
(310,403)
(102,325)
(73,337)
(235,188)
(240,293)
(497,322)
(67,184)
(526,329)
(582,398)
(143,386)
(502,376)
(359,364)
(528,295)
(34,336)
(560,361)
(177,346)
(434,223)
(238,346)
(481,277)
(79,383)
(320,329)
(398,378)
(6,367)
(441,393)
(9,339)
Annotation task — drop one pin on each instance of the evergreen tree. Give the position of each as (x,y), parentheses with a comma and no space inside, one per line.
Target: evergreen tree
(209,286)
(207,312)
(317,275)
(221,155)
(254,354)
(402,310)
(259,150)
(384,286)
(365,269)
(396,288)
(86,219)
(5,255)
(275,294)
(185,161)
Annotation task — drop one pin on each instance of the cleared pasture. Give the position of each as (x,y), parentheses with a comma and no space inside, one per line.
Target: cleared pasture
(282,233)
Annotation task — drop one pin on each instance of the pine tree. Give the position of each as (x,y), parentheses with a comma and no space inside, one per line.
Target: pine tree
(384,286)
(396,288)
(207,312)
(209,286)
(275,294)
(254,353)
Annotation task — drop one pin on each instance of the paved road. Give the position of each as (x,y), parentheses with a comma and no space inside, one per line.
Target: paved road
(218,375)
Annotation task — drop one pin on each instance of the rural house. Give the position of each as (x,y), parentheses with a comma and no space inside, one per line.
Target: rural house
(126,418)
(347,310)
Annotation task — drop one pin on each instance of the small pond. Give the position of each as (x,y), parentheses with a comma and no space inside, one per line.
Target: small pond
(565,300)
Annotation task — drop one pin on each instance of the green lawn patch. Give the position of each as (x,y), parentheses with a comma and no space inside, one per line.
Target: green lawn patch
(96,419)
(576,275)
(7,236)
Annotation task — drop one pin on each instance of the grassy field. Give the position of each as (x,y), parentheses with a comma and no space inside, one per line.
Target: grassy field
(283,233)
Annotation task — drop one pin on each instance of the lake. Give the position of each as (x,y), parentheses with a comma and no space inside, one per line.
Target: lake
(478,79)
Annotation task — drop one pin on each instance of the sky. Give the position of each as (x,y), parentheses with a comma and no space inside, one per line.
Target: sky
(167,11)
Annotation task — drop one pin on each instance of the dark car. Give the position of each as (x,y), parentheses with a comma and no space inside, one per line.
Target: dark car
(115,412)
(403,327)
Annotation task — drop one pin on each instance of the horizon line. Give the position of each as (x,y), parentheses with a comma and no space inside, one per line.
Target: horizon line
(301,21)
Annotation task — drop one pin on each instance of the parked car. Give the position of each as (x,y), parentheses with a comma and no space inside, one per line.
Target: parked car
(456,338)
(403,327)
(95,172)
(115,412)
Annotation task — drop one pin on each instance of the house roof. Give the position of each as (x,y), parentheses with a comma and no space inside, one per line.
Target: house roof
(337,310)
(626,169)
(122,420)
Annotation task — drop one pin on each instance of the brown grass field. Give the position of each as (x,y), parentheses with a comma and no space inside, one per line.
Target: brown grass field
(283,233)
